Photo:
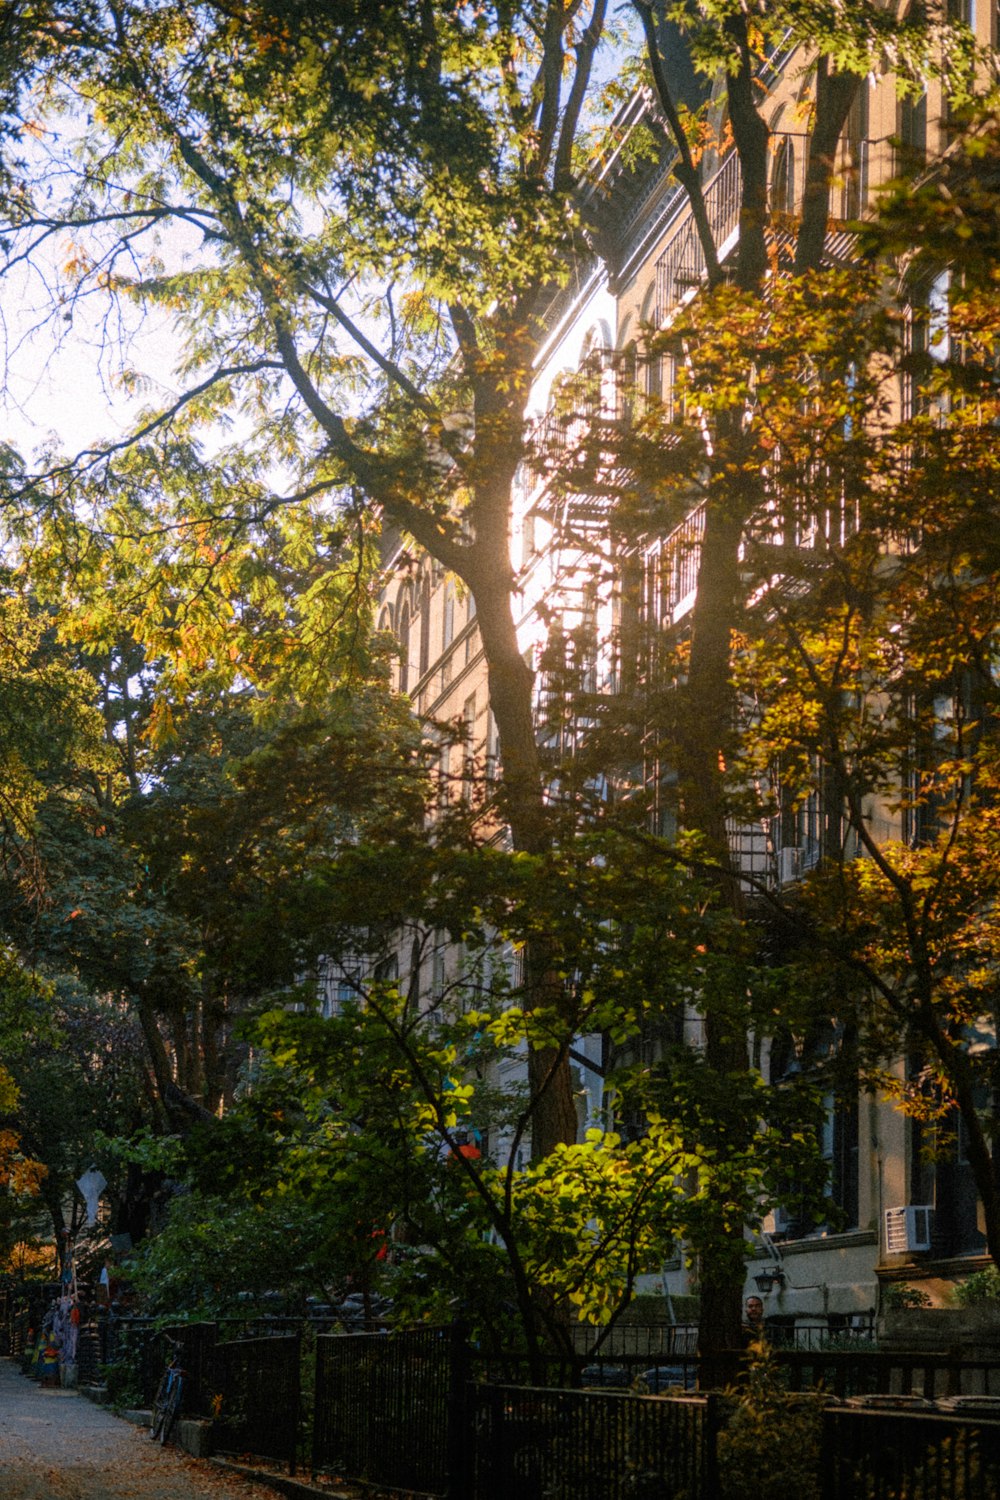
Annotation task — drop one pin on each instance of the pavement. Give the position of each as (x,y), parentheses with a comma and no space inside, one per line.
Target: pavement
(54,1445)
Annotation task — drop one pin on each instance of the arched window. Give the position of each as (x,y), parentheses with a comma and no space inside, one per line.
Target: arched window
(628,373)
(783,178)
(854,145)
(652,363)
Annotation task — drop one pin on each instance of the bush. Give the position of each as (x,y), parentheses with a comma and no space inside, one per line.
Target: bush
(771,1443)
(981,1286)
(123,1379)
(896,1296)
(214,1257)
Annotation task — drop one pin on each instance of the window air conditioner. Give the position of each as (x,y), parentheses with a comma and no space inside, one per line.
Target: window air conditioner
(791,1226)
(789,865)
(908,1228)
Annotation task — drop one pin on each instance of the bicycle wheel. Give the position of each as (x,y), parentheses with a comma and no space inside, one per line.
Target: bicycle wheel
(171,1410)
(158,1415)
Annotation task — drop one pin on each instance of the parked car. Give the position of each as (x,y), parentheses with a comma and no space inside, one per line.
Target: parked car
(662,1378)
(351,1311)
(615,1377)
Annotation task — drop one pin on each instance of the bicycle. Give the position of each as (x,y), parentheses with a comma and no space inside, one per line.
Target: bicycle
(167,1404)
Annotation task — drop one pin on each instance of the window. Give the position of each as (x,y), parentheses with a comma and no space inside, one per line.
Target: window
(627,372)
(448,616)
(912,130)
(783,178)
(492,748)
(386,971)
(585,642)
(854,192)
(444,776)
(404,647)
(469,747)
(829,1046)
(339,988)
(671,406)
(654,378)
(425,625)
(914,396)
(840,1148)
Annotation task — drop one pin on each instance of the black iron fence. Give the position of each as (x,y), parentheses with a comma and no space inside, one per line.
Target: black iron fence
(884,1373)
(530,1443)
(403,1411)
(134,1348)
(883,1455)
(257,1396)
(388,1407)
(862,1371)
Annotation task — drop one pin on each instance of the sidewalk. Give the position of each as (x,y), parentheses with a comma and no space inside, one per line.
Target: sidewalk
(54,1445)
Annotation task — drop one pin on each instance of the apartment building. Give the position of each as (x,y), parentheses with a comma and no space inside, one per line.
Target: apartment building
(902,1217)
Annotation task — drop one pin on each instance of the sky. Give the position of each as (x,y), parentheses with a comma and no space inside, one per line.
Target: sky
(64,385)
(64,377)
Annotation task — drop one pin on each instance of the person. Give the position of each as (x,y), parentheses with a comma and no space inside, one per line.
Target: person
(109,1282)
(753,1321)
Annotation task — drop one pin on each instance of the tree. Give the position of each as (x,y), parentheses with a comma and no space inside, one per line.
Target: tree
(874,666)
(274,135)
(20,1174)
(864,672)
(720,453)
(383,1126)
(395,362)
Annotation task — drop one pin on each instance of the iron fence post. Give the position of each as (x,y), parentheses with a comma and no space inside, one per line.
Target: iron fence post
(295,1403)
(319,1400)
(713,1424)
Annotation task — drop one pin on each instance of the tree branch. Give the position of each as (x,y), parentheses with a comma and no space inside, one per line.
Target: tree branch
(585,50)
(684,170)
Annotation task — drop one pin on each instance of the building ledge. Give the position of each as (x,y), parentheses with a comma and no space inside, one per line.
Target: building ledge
(926,1269)
(851,1239)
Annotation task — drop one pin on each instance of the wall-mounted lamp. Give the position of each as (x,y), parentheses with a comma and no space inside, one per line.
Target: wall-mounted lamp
(767,1280)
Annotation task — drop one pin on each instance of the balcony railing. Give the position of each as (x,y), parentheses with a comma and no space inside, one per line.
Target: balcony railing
(681,266)
(672,570)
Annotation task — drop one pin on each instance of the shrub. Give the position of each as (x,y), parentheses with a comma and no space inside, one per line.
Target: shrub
(896,1296)
(123,1378)
(771,1442)
(981,1286)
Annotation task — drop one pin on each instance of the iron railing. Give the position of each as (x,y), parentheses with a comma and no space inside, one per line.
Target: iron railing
(682,264)
(386,1406)
(847,1373)
(532,1442)
(882,1455)
(257,1398)
(401,1410)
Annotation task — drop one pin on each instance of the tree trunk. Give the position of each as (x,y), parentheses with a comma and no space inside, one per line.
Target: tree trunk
(835,93)
(708,726)
(553,1118)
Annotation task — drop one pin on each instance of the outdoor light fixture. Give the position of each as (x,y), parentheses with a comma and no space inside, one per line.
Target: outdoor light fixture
(767,1280)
